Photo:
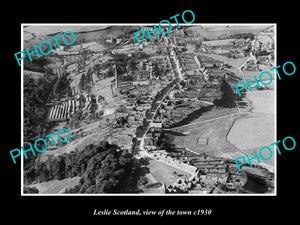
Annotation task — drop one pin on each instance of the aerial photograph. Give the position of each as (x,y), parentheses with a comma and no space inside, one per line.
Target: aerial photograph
(162,117)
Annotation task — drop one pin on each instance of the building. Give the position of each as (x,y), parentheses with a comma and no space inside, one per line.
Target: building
(62,111)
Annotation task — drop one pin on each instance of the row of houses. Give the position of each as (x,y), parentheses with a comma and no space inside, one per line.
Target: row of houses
(201,68)
(62,111)
(178,64)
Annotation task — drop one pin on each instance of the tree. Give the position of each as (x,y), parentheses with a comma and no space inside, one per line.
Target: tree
(110,72)
(30,190)
(131,65)
(59,168)
(82,82)
(103,169)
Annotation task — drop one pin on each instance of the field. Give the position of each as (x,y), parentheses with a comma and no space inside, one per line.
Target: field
(235,63)
(56,186)
(217,42)
(97,47)
(263,101)
(162,173)
(46,30)
(213,125)
(231,134)
(36,34)
(78,143)
(215,31)
(252,131)
(103,88)
(260,124)
(34,75)
(250,74)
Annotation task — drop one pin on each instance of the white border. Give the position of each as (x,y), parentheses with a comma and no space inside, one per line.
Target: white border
(151,24)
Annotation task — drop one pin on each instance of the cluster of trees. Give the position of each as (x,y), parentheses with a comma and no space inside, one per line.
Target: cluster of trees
(35,96)
(34,110)
(86,79)
(83,82)
(31,190)
(37,64)
(102,167)
(75,119)
(123,62)
(126,63)
(62,87)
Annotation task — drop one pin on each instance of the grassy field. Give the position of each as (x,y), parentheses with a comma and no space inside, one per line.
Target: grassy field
(217,42)
(103,88)
(97,47)
(256,129)
(263,101)
(252,131)
(163,173)
(213,125)
(235,63)
(45,30)
(215,31)
(34,35)
(56,186)
(78,143)
(34,75)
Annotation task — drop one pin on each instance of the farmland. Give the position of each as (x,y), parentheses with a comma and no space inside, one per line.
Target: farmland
(214,32)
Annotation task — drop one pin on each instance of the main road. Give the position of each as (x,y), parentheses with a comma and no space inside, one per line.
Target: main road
(160,101)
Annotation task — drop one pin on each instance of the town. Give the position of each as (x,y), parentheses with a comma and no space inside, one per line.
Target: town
(150,117)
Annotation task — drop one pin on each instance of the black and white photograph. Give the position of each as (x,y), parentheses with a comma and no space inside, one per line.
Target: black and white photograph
(151,115)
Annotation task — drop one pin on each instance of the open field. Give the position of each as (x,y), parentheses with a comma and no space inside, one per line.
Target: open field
(78,143)
(215,31)
(158,172)
(235,63)
(37,34)
(217,123)
(218,42)
(263,101)
(260,124)
(46,30)
(261,128)
(214,130)
(97,47)
(250,75)
(265,37)
(56,186)
(103,88)
(163,173)
(34,75)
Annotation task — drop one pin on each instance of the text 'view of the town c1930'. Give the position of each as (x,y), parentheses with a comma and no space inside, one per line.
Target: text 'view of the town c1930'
(159,118)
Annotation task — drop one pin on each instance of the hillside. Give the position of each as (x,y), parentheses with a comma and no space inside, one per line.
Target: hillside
(34,35)
(102,168)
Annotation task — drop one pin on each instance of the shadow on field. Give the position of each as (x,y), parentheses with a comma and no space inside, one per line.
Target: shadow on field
(228,99)
(138,176)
